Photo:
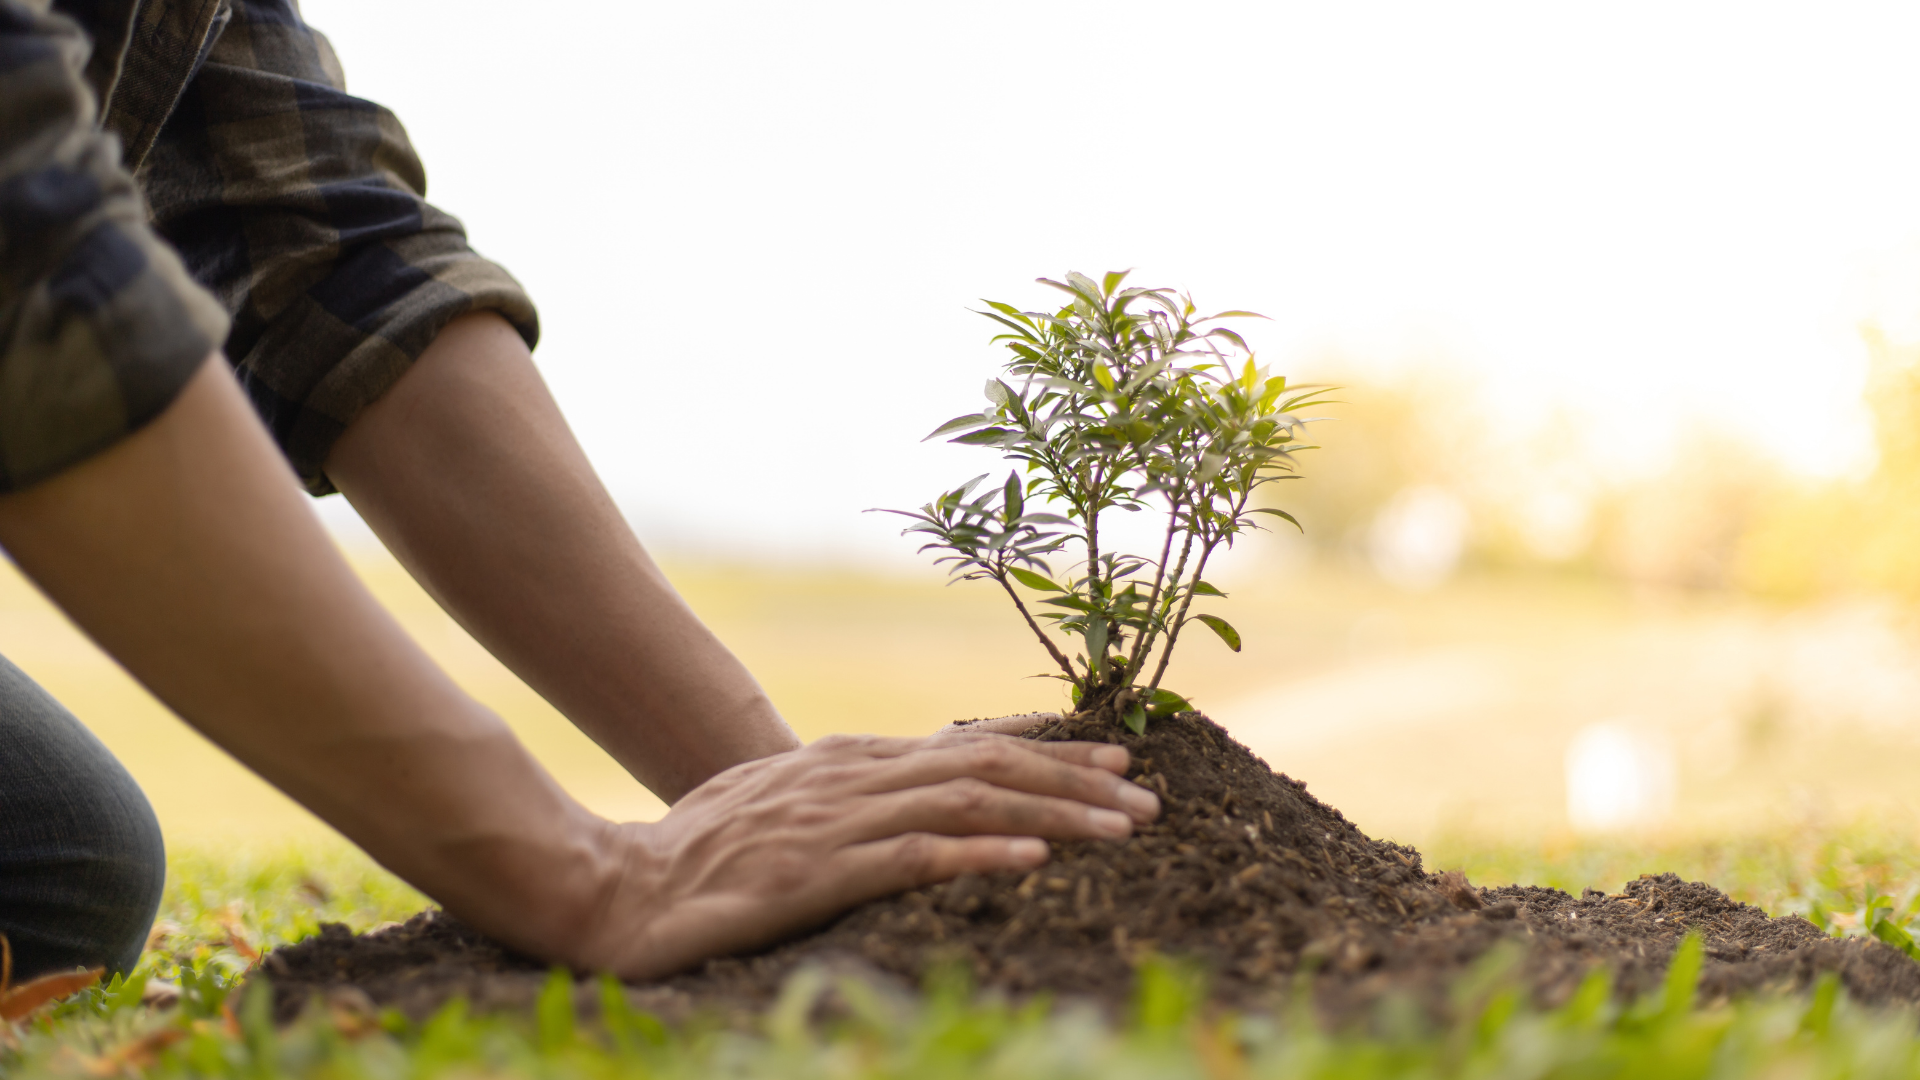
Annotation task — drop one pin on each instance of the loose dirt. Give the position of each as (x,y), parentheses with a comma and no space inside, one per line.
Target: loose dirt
(1244,872)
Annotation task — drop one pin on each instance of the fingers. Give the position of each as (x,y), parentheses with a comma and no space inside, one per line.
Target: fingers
(905,862)
(1113,759)
(1081,771)
(1009,763)
(968,806)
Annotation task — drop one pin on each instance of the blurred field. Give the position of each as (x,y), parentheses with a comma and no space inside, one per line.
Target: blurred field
(1422,715)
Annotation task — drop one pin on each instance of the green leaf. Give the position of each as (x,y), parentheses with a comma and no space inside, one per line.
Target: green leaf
(553,1011)
(1104,377)
(1097,645)
(984,437)
(1083,286)
(958,422)
(1683,976)
(1014,495)
(1280,514)
(1201,588)
(630,1028)
(1136,719)
(1112,280)
(1225,629)
(1165,702)
(1073,602)
(997,392)
(1891,932)
(1819,1015)
(1034,581)
(125,991)
(1168,994)
(1221,331)
(1021,326)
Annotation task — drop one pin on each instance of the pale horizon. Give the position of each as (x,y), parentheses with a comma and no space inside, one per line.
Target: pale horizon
(754,230)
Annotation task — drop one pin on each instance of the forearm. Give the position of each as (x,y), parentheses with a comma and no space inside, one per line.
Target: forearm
(186,551)
(467,471)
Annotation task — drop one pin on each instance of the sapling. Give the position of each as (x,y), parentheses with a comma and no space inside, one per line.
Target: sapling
(1123,399)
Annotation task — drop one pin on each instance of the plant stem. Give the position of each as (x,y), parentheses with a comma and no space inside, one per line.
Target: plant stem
(1173,631)
(1096,665)
(1144,641)
(1199,574)
(1052,650)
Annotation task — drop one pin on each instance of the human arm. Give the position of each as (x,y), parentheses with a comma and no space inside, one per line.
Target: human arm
(185,550)
(464,467)
(467,471)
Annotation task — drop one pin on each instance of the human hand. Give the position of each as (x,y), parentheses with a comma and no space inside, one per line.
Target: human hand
(774,846)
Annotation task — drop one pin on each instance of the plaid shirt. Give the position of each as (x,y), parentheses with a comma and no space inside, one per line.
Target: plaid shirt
(282,219)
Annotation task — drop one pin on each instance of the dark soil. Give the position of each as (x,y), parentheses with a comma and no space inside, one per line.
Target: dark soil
(1244,872)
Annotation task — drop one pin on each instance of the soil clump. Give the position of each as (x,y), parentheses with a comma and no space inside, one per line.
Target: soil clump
(1244,872)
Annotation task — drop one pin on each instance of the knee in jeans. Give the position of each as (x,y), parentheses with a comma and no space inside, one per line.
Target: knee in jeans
(82,863)
(133,871)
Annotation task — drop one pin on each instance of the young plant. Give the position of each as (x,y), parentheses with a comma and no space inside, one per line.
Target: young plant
(1124,398)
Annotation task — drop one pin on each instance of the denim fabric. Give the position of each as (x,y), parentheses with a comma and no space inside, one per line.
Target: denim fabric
(81,860)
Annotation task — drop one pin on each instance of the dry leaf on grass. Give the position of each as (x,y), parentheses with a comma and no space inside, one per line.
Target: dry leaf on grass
(237,934)
(17,1001)
(161,931)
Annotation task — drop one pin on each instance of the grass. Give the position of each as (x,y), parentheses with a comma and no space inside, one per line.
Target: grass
(223,908)
(1834,877)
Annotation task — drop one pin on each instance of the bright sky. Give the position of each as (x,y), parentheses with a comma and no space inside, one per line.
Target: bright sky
(754,228)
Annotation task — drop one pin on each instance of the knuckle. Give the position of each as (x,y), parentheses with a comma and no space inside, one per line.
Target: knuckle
(968,796)
(918,856)
(993,753)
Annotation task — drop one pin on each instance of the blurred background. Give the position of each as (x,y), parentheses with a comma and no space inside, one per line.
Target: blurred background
(1616,532)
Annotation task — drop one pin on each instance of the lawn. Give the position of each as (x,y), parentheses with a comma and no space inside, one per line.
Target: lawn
(846,653)
(223,907)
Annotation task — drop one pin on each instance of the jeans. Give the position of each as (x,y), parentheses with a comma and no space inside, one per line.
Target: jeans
(81,860)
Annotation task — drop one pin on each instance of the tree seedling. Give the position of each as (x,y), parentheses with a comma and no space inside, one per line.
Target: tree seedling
(1123,399)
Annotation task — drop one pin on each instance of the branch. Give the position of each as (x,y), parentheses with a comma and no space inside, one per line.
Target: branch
(1097,663)
(1143,644)
(1173,631)
(1052,650)
(1199,574)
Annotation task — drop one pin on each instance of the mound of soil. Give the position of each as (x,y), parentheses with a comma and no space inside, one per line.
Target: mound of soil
(1244,872)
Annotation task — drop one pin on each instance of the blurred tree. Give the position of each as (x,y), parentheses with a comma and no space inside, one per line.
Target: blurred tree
(1684,527)
(1852,536)
(1383,438)
(1718,514)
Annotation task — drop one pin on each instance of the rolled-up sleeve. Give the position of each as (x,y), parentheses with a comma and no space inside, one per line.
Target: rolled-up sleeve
(100,323)
(303,208)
